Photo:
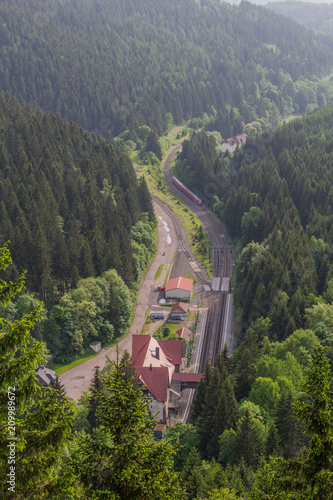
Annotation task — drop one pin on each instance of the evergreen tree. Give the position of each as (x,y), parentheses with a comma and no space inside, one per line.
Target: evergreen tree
(40,421)
(224,418)
(289,428)
(248,442)
(124,462)
(145,200)
(153,144)
(95,389)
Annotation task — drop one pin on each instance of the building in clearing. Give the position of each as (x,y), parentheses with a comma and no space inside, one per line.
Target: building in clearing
(232,143)
(179,311)
(45,376)
(179,288)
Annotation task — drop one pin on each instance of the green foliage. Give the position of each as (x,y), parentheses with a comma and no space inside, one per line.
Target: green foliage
(41,417)
(145,61)
(68,200)
(312,476)
(123,461)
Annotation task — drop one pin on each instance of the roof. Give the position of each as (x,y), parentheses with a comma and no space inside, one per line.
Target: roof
(140,345)
(45,375)
(179,307)
(184,333)
(172,350)
(148,351)
(155,379)
(180,283)
(188,377)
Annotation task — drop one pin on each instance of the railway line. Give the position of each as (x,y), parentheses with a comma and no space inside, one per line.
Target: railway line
(222,268)
(199,273)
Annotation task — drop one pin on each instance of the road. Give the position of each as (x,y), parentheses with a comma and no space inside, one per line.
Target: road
(77,379)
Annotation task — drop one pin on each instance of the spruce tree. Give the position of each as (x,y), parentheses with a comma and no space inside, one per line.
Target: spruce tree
(34,423)
(248,442)
(95,389)
(153,144)
(124,462)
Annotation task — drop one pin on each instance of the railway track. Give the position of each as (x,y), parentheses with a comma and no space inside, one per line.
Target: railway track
(222,267)
(200,275)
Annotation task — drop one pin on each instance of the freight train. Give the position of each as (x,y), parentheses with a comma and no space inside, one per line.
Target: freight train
(187,191)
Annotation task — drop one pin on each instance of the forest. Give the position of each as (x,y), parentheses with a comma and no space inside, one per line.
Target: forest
(274,196)
(115,64)
(317,16)
(77,232)
(79,222)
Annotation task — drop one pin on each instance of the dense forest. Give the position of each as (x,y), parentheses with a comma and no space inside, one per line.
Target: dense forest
(77,219)
(264,447)
(81,223)
(108,64)
(275,197)
(316,16)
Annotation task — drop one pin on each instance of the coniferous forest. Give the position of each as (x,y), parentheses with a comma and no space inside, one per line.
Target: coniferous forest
(112,64)
(83,83)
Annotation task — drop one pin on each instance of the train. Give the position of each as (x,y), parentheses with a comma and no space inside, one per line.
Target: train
(187,191)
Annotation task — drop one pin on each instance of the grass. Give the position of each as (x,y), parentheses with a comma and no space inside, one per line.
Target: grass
(60,367)
(159,271)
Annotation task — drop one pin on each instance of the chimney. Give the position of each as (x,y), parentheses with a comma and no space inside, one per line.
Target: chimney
(42,367)
(158,352)
(151,367)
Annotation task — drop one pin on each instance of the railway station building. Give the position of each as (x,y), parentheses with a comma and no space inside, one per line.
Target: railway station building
(179,288)
(155,362)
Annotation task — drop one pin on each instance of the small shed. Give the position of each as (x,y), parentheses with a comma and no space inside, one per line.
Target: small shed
(179,288)
(160,431)
(179,311)
(45,376)
(96,346)
(184,333)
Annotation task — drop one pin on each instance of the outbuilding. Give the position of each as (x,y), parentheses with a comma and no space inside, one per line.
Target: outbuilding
(179,288)
(179,311)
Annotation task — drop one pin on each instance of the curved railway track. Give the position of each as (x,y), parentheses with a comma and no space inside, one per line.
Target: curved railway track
(199,273)
(222,268)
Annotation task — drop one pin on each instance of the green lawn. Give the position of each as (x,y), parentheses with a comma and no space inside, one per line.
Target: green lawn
(159,271)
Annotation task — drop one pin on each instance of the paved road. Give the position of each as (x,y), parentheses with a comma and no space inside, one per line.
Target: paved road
(77,379)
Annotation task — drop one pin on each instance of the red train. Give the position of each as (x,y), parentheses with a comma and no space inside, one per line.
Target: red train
(187,191)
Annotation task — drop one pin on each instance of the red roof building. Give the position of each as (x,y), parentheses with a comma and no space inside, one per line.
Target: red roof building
(179,308)
(155,380)
(184,333)
(179,288)
(155,361)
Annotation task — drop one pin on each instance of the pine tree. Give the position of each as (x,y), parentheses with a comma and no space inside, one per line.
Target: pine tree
(225,417)
(145,200)
(192,474)
(124,462)
(95,389)
(248,443)
(153,144)
(42,422)
(289,428)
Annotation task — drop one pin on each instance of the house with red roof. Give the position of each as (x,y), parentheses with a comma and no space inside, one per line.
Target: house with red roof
(179,311)
(155,362)
(179,288)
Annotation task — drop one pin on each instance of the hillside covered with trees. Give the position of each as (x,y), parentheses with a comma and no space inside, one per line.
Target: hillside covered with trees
(111,64)
(317,16)
(274,196)
(69,201)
